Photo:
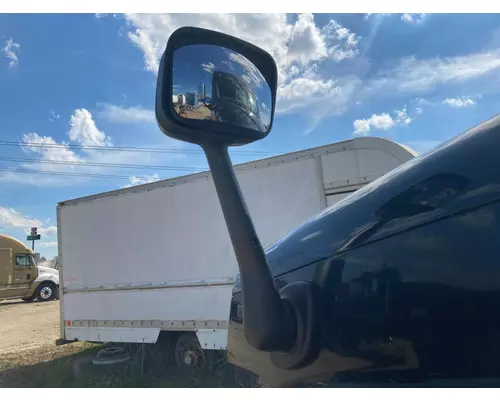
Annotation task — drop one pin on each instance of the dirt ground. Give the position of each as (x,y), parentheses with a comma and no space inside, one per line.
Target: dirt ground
(28,332)
(27,326)
(202,112)
(30,358)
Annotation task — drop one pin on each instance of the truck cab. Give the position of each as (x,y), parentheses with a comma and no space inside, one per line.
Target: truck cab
(234,102)
(20,277)
(405,278)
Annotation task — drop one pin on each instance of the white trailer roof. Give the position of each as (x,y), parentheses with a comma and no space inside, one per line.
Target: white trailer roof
(349,164)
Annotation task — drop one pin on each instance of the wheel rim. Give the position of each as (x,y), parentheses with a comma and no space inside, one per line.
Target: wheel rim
(46,292)
(193,355)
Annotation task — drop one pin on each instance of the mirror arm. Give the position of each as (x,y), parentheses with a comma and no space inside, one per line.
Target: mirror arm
(269,322)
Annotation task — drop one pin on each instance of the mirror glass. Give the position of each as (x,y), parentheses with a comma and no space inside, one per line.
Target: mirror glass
(213,83)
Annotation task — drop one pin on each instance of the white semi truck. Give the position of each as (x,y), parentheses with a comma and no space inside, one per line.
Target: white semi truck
(155,261)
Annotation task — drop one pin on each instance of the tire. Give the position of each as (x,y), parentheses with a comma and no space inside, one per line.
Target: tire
(189,355)
(46,291)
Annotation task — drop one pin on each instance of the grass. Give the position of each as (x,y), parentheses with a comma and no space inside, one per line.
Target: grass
(71,366)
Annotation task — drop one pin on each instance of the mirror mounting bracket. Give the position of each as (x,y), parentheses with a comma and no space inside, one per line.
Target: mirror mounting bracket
(269,322)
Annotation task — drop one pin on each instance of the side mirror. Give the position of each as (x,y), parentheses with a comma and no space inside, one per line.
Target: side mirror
(218,91)
(215,88)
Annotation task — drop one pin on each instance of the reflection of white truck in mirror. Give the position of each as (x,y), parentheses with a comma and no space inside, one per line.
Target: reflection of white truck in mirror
(20,277)
(155,261)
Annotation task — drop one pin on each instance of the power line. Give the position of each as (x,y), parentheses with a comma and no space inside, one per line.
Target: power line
(126,148)
(103,164)
(80,174)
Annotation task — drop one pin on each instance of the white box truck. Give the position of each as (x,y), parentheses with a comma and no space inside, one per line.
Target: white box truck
(157,258)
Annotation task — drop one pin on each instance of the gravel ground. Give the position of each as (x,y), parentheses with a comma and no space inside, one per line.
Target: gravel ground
(28,325)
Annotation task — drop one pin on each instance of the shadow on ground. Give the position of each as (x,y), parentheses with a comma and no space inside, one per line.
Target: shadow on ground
(150,366)
(5,303)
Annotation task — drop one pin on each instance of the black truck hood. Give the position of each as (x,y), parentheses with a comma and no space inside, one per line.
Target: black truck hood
(394,306)
(362,217)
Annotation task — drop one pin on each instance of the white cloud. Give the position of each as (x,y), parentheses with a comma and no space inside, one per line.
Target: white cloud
(48,148)
(140,180)
(150,32)
(47,244)
(381,122)
(302,47)
(412,75)
(229,64)
(56,158)
(305,42)
(419,110)
(9,52)
(307,89)
(48,231)
(414,18)
(53,116)
(296,47)
(402,117)
(377,121)
(208,67)
(83,130)
(126,115)
(409,18)
(348,41)
(319,98)
(368,16)
(53,157)
(252,74)
(10,218)
(459,102)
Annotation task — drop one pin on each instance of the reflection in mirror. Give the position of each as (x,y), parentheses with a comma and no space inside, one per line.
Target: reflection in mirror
(214,83)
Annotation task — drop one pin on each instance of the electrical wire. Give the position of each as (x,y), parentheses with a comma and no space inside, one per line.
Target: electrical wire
(126,148)
(75,174)
(103,164)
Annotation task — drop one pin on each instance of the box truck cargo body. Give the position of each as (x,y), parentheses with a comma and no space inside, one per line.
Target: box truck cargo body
(157,257)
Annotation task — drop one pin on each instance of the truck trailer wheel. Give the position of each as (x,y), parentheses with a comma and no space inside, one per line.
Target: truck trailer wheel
(46,291)
(189,354)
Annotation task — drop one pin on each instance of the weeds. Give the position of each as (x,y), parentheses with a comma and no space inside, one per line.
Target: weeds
(71,366)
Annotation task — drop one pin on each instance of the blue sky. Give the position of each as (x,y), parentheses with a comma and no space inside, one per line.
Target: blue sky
(72,82)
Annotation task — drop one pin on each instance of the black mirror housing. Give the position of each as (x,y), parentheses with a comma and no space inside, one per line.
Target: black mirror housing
(210,130)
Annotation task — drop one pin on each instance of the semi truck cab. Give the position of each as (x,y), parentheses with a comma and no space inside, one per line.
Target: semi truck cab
(20,277)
